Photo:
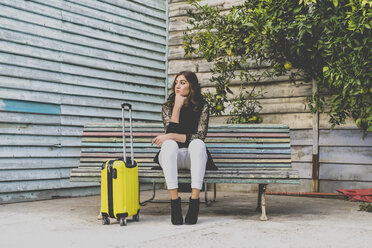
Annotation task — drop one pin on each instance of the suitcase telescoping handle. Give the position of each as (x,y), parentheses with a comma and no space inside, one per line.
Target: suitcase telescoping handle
(131,132)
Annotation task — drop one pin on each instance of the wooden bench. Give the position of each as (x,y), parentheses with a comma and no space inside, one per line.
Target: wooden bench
(245,154)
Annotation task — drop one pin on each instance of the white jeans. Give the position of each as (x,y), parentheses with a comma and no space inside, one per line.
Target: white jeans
(194,158)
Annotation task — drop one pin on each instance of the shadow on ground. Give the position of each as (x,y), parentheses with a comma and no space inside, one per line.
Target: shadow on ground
(243,205)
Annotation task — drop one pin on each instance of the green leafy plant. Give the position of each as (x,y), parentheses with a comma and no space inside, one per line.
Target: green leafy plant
(367,207)
(245,108)
(325,41)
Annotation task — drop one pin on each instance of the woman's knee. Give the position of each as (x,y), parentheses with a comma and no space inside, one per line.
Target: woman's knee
(197,145)
(168,153)
(169,146)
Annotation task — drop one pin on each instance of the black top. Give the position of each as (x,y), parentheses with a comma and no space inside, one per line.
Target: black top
(188,124)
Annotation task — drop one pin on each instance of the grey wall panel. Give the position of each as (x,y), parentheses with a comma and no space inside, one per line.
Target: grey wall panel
(345,159)
(334,185)
(47,194)
(64,63)
(36,163)
(34,174)
(354,172)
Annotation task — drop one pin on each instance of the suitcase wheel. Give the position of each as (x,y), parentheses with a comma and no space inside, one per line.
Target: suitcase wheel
(123,222)
(135,217)
(105,221)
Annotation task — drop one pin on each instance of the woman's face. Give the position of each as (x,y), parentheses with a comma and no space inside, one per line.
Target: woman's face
(182,86)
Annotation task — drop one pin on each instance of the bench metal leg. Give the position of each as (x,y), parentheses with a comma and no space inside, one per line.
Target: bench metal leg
(261,203)
(208,203)
(153,195)
(259,198)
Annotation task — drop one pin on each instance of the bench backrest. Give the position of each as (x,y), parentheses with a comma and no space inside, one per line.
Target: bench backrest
(233,145)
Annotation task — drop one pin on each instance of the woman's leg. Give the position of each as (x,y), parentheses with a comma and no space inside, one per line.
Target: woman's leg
(168,161)
(197,160)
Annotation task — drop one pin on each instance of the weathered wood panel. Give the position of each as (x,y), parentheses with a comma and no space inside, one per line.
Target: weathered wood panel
(76,85)
(301,137)
(355,155)
(41,14)
(179,8)
(65,63)
(46,184)
(301,153)
(324,123)
(34,174)
(294,120)
(351,172)
(71,101)
(271,89)
(35,140)
(48,194)
(45,34)
(36,163)
(305,186)
(333,185)
(279,105)
(342,137)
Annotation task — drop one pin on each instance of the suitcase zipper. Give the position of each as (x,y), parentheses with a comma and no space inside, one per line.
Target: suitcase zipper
(109,189)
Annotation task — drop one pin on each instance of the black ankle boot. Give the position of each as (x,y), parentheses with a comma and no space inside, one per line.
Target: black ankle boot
(176,212)
(192,214)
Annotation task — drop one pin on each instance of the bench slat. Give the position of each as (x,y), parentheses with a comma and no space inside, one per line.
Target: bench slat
(208,174)
(140,152)
(98,140)
(255,165)
(98,164)
(106,145)
(210,130)
(223,154)
(139,134)
(148,126)
(216,160)
(221,166)
(207,180)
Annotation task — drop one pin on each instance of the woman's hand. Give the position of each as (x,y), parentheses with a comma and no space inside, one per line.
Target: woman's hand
(179,101)
(159,140)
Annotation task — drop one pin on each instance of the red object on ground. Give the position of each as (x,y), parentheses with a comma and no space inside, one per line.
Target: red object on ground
(357,194)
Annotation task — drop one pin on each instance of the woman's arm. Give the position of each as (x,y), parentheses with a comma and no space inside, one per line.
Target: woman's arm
(179,101)
(159,140)
(170,126)
(177,137)
(175,118)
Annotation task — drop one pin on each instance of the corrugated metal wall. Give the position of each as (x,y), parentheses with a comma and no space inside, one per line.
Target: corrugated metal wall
(64,63)
(345,159)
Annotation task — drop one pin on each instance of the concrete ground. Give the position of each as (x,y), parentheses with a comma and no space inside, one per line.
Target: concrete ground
(230,222)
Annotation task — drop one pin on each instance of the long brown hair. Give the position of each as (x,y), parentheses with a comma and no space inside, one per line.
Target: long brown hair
(195,98)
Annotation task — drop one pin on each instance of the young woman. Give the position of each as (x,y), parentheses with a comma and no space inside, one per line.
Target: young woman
(185,116)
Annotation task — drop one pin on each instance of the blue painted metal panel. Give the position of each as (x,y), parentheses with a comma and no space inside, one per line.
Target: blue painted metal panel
(29,107)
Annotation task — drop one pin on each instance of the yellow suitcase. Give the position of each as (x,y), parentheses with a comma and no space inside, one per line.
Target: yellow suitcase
(119,185)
